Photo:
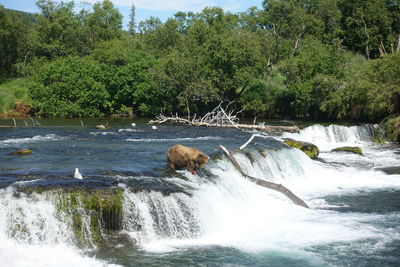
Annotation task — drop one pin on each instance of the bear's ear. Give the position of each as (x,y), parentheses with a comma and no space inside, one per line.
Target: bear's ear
(202,158)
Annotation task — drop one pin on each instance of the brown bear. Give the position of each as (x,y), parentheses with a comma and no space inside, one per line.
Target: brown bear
(179,157)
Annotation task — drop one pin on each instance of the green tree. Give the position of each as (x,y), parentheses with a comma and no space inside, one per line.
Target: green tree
(263,97)
(310,75)
(149,25)
(132,20)
(162,38)
(366,24)
(104,23)
(56,31)
(384,94)
(289,22)
(13,36)
(70,87)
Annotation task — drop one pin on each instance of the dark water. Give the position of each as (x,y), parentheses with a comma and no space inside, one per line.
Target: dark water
(122,148)
(135,156)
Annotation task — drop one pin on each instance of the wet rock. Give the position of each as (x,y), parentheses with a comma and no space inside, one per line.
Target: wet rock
(94,210)
(118,239)
(309,149)
(351,149)
(102,126)
(392,170)
(22,152)
(262,152)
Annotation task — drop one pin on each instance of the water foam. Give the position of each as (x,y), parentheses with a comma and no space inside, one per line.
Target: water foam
(102,133)
(34,139)
(33,233)
(328,137)
(202,138)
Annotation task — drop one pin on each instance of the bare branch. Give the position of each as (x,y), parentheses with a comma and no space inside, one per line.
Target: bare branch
(249,141)
(220,117)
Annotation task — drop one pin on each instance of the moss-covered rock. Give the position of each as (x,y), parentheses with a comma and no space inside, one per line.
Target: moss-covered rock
(351,149)
(311,150)
(389,130)
(22,152)
(92,212)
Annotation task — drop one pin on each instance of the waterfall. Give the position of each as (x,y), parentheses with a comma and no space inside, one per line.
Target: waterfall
(222,208)
(328,137)
(151,215)
(35,232)
(228,210)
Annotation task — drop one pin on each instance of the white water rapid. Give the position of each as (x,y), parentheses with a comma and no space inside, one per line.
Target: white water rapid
(225,209)
(34,233)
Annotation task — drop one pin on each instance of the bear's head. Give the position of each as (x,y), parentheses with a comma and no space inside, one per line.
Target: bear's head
(202,160)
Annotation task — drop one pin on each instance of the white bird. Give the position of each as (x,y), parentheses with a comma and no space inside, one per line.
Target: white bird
(154,127)
(77,175)
(133,124)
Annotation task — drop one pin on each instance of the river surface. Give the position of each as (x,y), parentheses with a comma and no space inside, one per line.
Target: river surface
(218,218)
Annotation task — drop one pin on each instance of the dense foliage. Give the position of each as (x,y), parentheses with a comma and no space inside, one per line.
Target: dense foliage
(311,59)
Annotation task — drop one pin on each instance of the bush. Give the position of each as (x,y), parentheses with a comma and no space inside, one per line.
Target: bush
(70,87)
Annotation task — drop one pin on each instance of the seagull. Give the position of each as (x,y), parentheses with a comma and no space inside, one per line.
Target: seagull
(77,175)
(133,124)
(154,127)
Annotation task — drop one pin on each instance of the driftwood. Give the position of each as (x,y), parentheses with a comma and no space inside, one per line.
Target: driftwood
(220,117)
(277,187)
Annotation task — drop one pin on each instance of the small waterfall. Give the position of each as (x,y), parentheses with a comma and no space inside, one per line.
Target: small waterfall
(60,216)
(334,135)
(149,215)
(33,219)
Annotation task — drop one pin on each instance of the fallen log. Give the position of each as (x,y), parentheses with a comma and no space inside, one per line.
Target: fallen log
(264,128)
(221,117)
(277,187)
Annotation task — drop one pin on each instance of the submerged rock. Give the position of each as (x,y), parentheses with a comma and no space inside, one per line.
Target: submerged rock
(22,152)
(351,149)
(309,149)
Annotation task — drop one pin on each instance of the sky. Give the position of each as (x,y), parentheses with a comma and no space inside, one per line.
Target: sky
(162,9)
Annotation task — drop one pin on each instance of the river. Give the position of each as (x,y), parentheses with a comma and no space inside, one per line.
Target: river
(218,218)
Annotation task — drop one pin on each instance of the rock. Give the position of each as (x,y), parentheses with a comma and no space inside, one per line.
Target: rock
(310,149)
(102,127)
(22,152)
(351,149)
(117,239)
(392,170)
(101,207)
(389,130)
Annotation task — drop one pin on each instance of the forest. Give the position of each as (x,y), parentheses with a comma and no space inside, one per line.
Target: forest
(298,59)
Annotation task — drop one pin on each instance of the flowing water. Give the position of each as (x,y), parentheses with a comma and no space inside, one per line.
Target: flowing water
(218,218)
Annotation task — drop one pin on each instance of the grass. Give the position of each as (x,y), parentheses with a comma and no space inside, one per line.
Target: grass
(11,91)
